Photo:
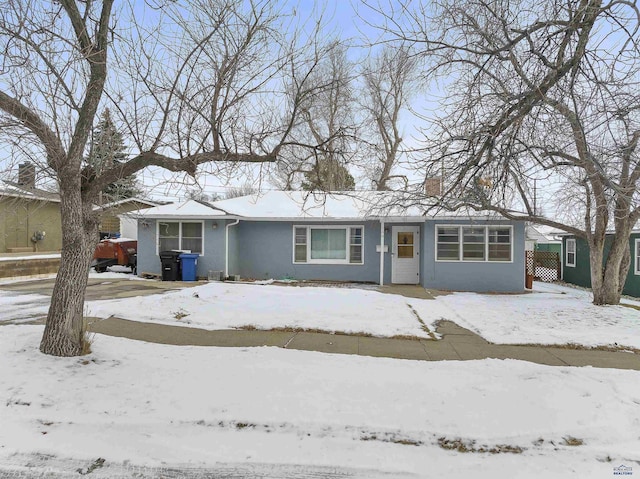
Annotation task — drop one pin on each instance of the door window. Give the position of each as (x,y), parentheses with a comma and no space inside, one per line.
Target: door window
(405,244)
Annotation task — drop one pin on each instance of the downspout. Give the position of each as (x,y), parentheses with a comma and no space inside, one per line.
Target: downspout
(226,247)
(381,252)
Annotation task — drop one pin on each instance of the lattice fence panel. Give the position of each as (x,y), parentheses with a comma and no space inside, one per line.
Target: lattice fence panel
(547,266)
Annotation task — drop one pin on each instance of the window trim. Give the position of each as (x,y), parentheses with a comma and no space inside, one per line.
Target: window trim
(575,253)
(201,222)
(346,261)
(636,257)
(460,243)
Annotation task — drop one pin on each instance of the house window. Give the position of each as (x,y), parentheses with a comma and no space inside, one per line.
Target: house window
(474,243)
(328,244)
(300,247)
(499,244)
(448,243)
(355,246)
(636,260)
(180,235)
(571,252)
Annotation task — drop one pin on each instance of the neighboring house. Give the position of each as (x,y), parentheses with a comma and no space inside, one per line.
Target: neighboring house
(114,218)
(576,268)
(338,237)
(543,238)
(29,217)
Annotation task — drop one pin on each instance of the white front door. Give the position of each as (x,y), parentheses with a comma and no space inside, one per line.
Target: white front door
(405,259)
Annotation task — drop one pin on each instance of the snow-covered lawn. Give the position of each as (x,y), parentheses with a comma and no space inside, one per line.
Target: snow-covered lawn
(552,314)
(22,308)
(195,406)
(227,305)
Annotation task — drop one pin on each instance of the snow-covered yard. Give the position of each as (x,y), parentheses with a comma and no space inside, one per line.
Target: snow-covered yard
(552,314)
(148,404)
(228,305)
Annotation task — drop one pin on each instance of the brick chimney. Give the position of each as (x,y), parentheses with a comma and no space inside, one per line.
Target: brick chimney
(433,186)
(27,174)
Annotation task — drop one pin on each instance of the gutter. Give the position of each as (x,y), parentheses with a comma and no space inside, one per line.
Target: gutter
(381,252)
(226,246)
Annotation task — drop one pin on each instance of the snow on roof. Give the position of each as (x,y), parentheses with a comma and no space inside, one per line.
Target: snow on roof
(336,205)
(10,188)
(305,205)
(134,199)
(543,234)
(187,209)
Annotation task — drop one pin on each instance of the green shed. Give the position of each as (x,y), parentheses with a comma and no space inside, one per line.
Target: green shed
(577,270)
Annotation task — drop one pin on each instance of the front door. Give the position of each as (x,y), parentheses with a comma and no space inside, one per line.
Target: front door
(405,259)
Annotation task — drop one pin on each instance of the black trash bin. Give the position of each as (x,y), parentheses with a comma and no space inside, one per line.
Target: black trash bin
(170,265)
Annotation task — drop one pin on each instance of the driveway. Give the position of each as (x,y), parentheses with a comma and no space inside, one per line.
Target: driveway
(37,294)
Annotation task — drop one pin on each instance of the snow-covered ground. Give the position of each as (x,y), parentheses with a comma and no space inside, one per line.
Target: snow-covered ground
(156,405)
(227,305)
(552,314)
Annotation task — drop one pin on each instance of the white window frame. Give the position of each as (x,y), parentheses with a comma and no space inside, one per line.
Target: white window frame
(461,243)
(636,258)
(566,261)
(346,261)
(179,233)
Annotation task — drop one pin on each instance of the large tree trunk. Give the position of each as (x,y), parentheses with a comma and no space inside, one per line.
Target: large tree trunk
(607,280)
(64,333)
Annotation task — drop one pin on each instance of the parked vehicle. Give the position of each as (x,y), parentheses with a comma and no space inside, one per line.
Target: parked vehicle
(115,251)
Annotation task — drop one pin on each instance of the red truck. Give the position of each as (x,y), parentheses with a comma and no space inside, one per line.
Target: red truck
(115,251)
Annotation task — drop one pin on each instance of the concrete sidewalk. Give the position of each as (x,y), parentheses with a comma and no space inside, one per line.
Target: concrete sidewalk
(457,343)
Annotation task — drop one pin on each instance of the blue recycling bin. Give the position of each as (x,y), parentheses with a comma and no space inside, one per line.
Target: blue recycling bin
(189,263)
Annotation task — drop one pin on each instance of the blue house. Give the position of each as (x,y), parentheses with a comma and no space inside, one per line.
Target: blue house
(358,236)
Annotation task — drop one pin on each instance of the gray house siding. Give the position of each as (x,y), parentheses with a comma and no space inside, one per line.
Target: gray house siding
(148,260)
(473,276)
(234,262)
(265,250)
(213,258)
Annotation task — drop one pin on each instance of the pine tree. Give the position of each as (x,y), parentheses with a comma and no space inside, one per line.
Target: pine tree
(328,175)
(107,151)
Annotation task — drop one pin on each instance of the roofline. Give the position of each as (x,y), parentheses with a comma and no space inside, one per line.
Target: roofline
(391,219)
(125,200)
(608,232)
(28,196)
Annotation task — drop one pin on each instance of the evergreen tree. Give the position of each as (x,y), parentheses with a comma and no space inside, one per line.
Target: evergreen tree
(328,175)
(107,151)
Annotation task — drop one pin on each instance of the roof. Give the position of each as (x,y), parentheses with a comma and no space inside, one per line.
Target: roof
(10,188)
(134,199)
(543,234)
(190,209)
(304,205)
(297,205)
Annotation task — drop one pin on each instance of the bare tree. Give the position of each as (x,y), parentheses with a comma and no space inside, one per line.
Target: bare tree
(545,91)
(242,190)
(389,82)
(326,119)
(199,82)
